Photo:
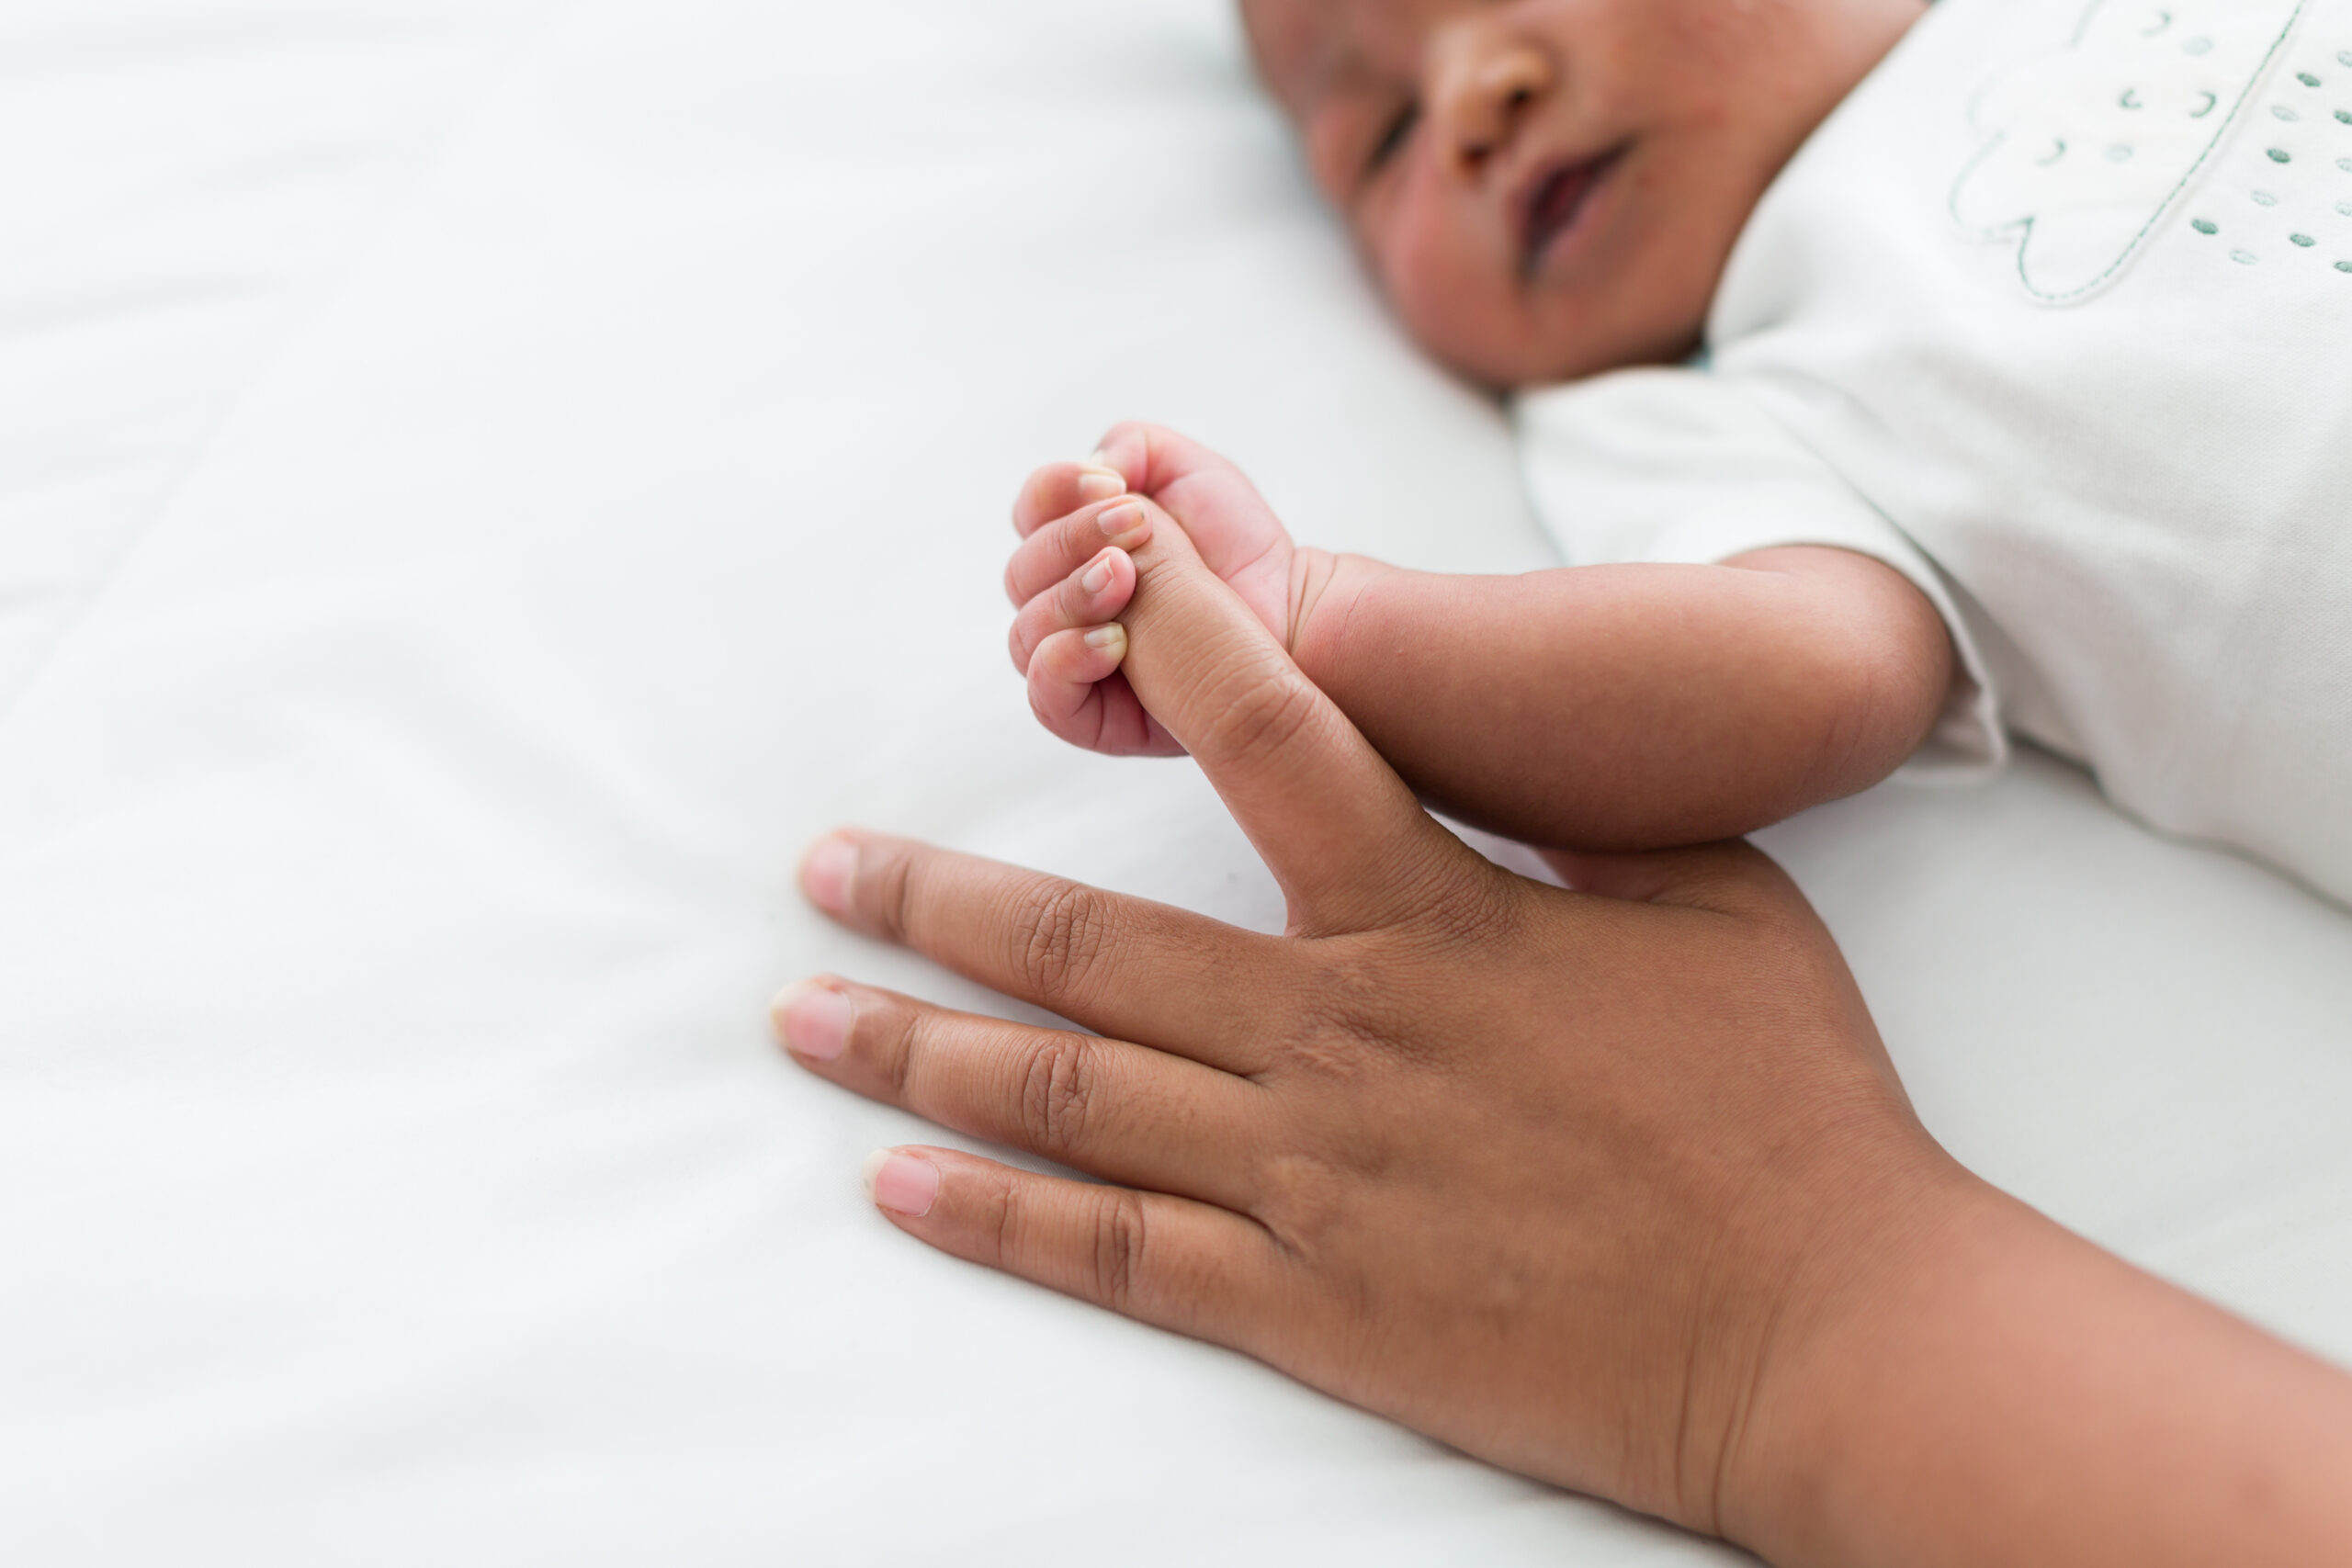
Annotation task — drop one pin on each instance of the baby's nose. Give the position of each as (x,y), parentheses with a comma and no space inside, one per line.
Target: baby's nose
(1492,84)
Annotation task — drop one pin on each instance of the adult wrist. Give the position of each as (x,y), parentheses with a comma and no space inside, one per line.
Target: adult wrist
(1828,1395)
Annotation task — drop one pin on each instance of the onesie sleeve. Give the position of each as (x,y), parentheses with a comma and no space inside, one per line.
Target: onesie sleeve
(1679,465)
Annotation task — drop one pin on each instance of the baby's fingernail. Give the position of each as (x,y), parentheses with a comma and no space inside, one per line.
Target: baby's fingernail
(1098,576)
(1125,526)
(813,1020)
(1099,484)
(826,874)
(902,1183)
(1111,639)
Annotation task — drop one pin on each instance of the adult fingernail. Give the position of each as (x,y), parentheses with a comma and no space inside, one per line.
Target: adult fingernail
(902,1183)
(1111,639)
(1098,576)
(1099,484)
(1125,526)
(814,1020)
(826,874)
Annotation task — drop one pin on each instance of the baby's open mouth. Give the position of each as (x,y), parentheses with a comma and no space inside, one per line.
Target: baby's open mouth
(1555,200)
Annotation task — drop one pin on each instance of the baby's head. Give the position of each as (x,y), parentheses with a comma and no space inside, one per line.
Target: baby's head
(1548,188)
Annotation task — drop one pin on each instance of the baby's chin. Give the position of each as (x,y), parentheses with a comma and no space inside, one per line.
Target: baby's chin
(1536,352)
(1642,299)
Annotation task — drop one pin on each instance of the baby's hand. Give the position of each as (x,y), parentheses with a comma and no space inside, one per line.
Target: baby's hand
(1071,574)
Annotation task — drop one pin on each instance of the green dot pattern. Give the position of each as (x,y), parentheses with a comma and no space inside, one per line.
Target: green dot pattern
(2281,155)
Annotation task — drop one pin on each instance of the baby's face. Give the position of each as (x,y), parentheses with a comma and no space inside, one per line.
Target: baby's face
(1547,188)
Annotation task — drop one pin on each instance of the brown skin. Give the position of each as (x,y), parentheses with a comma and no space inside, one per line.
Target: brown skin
(1616,1188)
(1597,707)
(1618,707)
(1428,121)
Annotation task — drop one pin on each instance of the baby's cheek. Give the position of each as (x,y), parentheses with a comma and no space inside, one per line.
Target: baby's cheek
(1458,299)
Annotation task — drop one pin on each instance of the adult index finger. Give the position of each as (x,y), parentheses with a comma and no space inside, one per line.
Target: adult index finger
(1119,965)
(1347,840)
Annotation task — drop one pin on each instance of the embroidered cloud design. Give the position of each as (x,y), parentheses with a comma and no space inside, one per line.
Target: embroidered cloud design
(2089,145)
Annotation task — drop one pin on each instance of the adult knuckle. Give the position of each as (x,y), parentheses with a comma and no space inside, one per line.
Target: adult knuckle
(1060,935)
(1304,1201)
(1122,1234)
(1003,1227)
(1353,1001)
(1058,1084)
(902,1038)
(1262,716)
(891,893)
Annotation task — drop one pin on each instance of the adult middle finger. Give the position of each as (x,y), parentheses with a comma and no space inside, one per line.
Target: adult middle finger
(1119,965)
(1121,1111)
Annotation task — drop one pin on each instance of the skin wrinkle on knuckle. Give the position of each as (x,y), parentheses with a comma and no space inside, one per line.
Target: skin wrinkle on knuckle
(1122,1233)
(1264,717)
(1004,1227)
(1056,1096)
(904,1036)
(889,893)
(1057,934)
(1303,1204)
(1353,1012)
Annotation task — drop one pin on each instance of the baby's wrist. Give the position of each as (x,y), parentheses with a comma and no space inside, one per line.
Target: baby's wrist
(1324,593)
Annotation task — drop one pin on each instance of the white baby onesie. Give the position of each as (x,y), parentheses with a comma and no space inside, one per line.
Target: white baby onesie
(2054,315)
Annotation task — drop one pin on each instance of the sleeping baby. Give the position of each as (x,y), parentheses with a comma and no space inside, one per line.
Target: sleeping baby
(1897,379)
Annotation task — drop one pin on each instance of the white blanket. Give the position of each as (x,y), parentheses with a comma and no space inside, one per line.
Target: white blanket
(481,485)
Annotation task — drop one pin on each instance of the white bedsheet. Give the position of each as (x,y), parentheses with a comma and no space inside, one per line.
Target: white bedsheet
(481,485)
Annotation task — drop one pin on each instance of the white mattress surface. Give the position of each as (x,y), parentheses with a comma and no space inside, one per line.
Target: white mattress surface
(480,486)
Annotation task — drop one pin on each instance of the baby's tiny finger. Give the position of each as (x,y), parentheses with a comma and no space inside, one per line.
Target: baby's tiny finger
(1087,597)
(1076,659)
(1095,713)
(1061,548)
(1060,489)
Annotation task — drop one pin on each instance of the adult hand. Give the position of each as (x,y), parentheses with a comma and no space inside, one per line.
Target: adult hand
(1616,1187)
(1545,1174)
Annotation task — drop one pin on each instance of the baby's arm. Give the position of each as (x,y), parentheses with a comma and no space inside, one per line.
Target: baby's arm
(1633,706)
(1595,708)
